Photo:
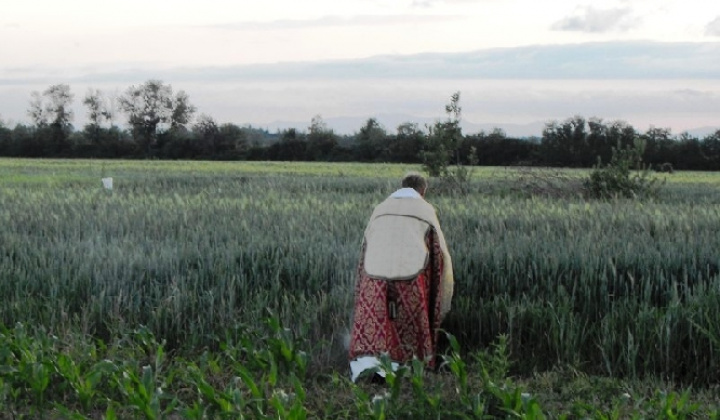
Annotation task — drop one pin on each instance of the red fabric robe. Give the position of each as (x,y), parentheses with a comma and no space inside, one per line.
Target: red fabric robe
(399,317)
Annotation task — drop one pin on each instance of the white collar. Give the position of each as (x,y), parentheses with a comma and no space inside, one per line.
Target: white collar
(406,193)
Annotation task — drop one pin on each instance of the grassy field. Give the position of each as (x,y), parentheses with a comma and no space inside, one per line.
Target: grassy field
(229,286)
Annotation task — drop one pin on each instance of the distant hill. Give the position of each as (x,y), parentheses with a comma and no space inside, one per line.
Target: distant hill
(702,132)
(349,125)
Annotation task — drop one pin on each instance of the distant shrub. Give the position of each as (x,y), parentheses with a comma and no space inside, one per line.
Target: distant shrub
(624,177)
(666,167)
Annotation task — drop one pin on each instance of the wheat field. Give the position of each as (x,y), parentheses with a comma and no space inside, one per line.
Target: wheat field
(194,251)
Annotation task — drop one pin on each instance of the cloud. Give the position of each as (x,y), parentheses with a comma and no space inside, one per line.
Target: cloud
(595,20)
(337,21)
(423,4)
(602,60)
(431,3)
(713,28)
(599,61)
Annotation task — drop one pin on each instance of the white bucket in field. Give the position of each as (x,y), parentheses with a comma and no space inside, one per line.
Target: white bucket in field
(107,183)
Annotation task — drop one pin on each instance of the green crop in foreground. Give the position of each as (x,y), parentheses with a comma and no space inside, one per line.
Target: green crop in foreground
(264,374)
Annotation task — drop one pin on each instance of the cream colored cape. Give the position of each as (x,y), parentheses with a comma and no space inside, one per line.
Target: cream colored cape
(395,246)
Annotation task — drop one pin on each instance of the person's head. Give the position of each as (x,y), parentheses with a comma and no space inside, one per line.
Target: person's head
(415,181)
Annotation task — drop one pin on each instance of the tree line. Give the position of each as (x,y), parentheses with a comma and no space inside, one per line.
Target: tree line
(162,124)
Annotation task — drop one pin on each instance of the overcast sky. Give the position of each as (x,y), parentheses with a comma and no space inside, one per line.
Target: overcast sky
(648,62)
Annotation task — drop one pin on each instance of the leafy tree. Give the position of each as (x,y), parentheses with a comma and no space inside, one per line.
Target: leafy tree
(152,104)
(710,149)
(235,139)
(26,142)
(598,142)
(226,141)
(36,111)
(59,100)
(408,142)
(5,140)
(659,147)
(147,106)
(496,149)
(98,112)
(564,144)
(442,148)
(690,150)
(291,147)
(321,141)
(371,142)
(443,140)
(61,114)
(182,111)
(177,143)
(602,137)
(52,115)
(207,132)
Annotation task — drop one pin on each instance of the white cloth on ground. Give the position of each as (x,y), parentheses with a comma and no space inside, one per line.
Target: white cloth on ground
(363,363)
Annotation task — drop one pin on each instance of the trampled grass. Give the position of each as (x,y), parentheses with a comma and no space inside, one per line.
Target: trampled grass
(199,253)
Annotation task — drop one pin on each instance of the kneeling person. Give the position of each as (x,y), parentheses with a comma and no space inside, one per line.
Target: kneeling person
(404,281)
